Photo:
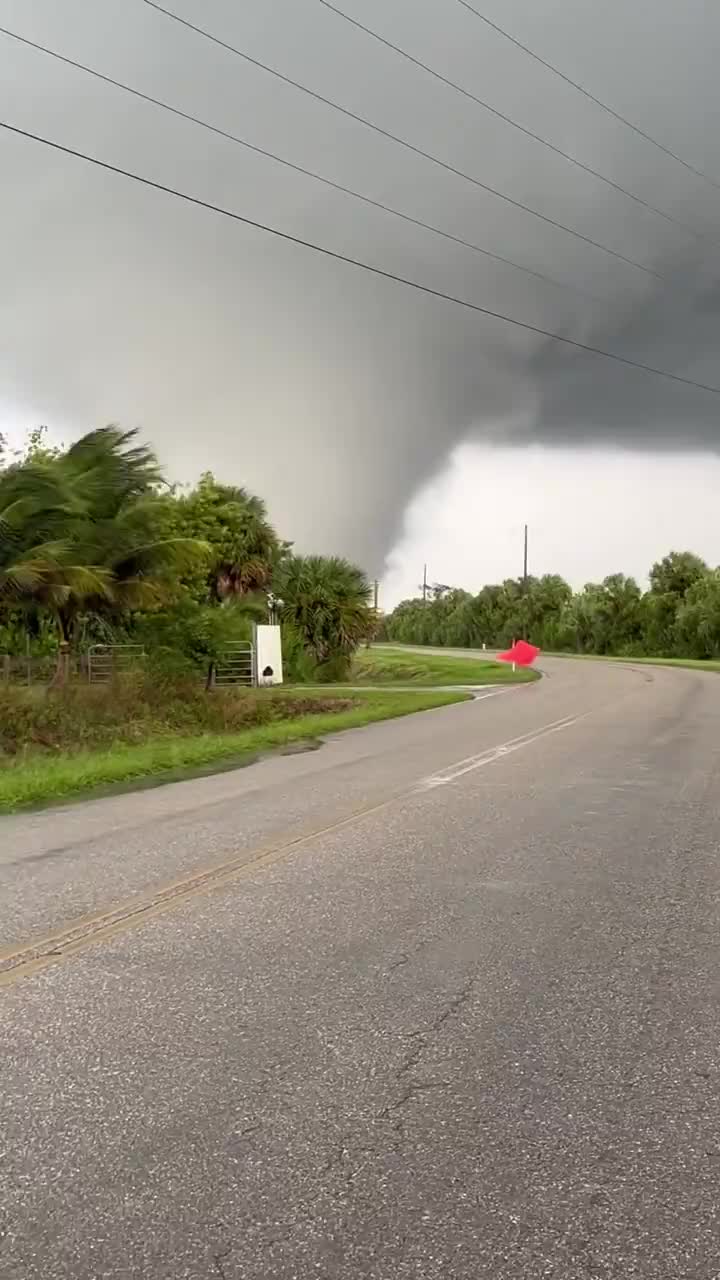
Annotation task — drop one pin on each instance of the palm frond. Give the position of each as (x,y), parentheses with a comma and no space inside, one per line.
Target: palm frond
(167,555)
(109,469)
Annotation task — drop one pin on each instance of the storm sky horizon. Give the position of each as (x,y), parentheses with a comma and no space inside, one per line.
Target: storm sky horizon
(375,420)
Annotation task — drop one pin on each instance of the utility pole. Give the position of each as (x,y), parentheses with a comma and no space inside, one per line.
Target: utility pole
(376,592)
(424,584)
(525,583)
(525,560)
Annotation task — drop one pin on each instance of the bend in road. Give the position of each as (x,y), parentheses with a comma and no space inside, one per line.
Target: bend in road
(470,1033)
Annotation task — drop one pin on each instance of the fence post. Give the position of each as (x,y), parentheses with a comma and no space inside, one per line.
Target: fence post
(63,667)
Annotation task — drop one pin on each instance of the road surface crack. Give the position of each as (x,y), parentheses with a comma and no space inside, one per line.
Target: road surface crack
(340,1160)
(413,1058)
(412,1091)
(423,1037)
(219,1260)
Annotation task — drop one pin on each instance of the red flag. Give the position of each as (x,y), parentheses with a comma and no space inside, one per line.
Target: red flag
(522,654)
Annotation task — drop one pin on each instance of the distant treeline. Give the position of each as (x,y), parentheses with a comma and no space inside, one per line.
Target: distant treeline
(679,616)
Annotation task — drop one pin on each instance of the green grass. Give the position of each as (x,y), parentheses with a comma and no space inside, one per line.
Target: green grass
(417,657)
(388,666)
(693,664)
(27,781)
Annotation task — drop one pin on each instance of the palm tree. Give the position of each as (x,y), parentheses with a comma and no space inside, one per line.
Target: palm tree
(121,528)
(326,600)
(245,548)
(108,470)
(36,509)
(80,532)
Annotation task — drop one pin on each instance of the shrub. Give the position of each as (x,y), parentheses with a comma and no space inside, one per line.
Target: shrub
(135,707)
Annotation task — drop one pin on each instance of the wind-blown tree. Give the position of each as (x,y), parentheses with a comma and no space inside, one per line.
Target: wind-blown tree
(461,627)
(676,573)
(445,606)
(39,562)
(698,618)
(407,622)
(605,617)
(580,618)
(82,533)
(547,599)
(244,547)
(35,506)
(670,582)
(620,615)
(119,528)
(326,601)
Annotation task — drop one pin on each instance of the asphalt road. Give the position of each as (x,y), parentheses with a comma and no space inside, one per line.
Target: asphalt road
(438,1001)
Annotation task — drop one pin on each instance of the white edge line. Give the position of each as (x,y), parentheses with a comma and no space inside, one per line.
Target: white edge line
(491,754)
(492,693)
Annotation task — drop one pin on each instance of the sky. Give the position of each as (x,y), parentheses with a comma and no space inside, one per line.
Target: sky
(377,421)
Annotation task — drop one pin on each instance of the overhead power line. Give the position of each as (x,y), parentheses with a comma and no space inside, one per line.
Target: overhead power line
(356,262)
(402,142)
(289,164)
(515,124)
(699,173)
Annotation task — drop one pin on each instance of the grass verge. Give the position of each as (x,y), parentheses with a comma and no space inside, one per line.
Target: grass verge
(32,780)
(693,664)
(388,666)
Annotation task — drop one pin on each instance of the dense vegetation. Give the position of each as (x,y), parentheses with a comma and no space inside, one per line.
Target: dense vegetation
(95,547)
(678,616)
(79,738)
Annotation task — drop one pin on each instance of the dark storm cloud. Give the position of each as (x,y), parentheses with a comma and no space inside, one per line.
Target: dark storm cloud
(675,327)
(333,393)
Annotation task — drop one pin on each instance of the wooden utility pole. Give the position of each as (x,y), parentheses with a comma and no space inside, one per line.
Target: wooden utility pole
(424,584)
(525,560)
(525,587)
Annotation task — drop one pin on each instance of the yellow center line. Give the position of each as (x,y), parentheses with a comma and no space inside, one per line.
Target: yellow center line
(39,953)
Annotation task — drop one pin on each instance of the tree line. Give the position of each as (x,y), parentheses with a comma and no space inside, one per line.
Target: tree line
(97,547)
(677,616)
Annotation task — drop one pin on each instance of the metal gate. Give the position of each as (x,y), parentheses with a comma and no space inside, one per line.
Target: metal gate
(105,661)
(236,665)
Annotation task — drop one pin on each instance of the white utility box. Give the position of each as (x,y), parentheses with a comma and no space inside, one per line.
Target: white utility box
(268,654)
